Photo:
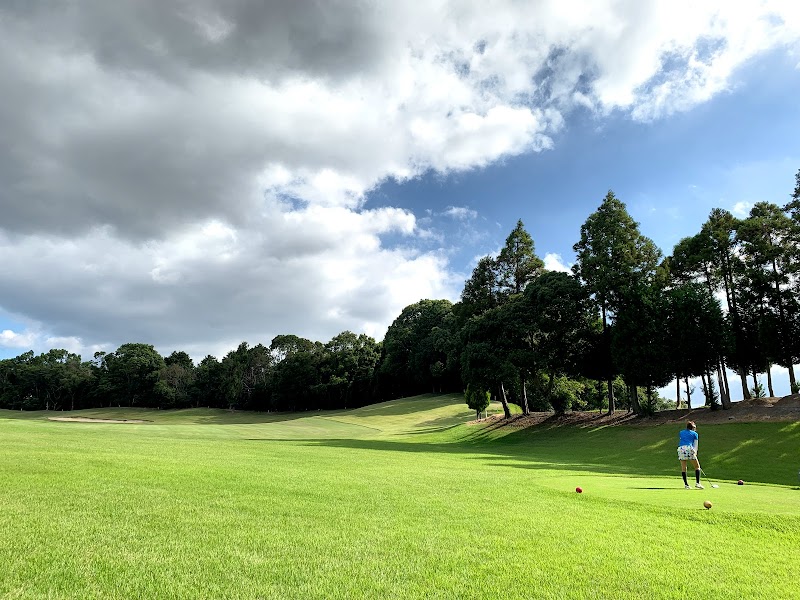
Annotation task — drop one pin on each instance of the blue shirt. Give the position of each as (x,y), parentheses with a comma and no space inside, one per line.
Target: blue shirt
(687,437)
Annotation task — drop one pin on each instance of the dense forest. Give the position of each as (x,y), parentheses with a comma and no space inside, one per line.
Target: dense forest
(624,323)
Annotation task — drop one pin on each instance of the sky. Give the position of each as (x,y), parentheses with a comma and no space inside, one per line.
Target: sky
(197,174)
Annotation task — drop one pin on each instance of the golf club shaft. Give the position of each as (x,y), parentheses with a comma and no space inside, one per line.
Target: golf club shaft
(706,477)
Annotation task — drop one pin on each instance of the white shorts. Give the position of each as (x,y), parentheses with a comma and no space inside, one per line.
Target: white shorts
(686,453)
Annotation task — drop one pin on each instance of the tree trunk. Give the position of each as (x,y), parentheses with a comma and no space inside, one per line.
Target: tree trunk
(504,402)
(600,391)
(678,392)
(688,391)
(611,406)
(727,385)
(789,362)
(724,394)
(705,386)
(722,377)
(733,309)
(634,397)
(745,391)
(711,391)
(525,409)
(755,382)
(769,381)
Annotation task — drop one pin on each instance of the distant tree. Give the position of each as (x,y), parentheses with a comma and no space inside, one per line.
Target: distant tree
(410,348)
(517,263)
(613,256)
(545,330)
(348,369)
(294,380)
(769,249)
(640,345)
(178,376)
(696,331)
(477,399)
(560,316)
(206,388)
(480,291)
(756,326)
(721,229)
(486,357)
(256,378)
(693,260)
(179,357)
(521,338)
(133,375)
(18,386)
(245,374)
(793,206)
(283,346)
(232,374)
(446,343)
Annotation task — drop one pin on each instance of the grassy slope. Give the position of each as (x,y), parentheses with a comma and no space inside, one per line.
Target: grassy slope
(391,500)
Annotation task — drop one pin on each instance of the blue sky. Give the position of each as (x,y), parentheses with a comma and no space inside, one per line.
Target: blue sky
(196,178)
(741,146)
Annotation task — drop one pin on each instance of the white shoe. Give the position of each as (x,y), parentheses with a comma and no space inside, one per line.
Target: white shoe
(687,487)
(698,486)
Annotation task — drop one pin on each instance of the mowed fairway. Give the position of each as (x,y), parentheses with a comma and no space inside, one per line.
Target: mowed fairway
(397,500)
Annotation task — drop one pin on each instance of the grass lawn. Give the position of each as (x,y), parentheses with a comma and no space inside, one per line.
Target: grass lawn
(398,500)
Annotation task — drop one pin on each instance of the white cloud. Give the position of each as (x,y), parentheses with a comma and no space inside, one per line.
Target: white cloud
(209,282)
(460,213)
(199,177)
(741,209)
(14,339)
(554,262)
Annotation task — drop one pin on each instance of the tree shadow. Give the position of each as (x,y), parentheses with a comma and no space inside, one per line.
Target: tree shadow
(757,452)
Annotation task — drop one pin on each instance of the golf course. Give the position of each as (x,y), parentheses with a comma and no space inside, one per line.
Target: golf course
(404,499)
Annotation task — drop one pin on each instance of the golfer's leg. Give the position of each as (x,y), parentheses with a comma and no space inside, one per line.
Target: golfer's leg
(683,472)
(696,470)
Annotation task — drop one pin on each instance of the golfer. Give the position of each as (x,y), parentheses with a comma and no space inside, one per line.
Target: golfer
(687,451)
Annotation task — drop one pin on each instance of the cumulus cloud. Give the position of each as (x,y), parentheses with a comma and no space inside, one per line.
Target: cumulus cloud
(209,282)
(195,172)
(742,209)
(554,262)
(15,339)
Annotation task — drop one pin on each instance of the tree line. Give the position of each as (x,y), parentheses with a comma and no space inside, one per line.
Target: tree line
(625,322)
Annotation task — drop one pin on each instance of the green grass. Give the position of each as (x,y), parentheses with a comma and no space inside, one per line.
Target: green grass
(396,500)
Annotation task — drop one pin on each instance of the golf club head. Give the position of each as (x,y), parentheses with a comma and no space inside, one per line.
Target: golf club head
(714,485)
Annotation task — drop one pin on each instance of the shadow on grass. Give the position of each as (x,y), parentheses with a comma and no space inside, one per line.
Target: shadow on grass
(758,452)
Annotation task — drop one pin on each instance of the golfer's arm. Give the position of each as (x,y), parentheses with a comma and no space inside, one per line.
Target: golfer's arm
(695,446)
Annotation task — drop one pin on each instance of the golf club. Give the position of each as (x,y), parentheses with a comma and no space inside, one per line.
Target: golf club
(713,485)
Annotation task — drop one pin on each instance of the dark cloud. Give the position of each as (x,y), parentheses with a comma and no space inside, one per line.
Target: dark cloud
(250,37)
(194,172)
